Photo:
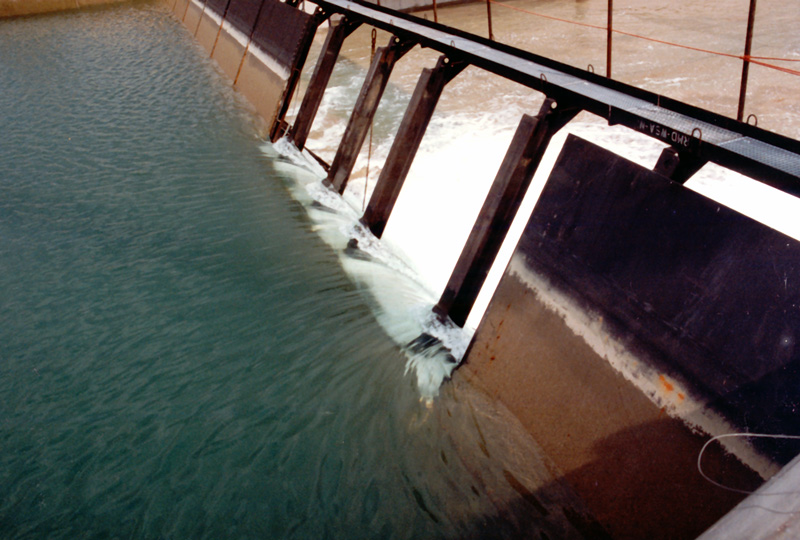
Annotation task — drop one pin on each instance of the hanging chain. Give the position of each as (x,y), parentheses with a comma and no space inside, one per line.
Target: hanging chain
(369,148)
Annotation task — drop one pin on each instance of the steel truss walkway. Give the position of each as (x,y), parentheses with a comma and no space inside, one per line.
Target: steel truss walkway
(694,136)
(697,135)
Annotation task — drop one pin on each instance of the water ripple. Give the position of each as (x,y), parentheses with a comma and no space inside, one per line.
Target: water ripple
(180,355)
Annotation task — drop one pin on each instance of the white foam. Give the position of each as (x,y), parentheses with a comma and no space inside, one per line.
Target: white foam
(401,303)
(285,148)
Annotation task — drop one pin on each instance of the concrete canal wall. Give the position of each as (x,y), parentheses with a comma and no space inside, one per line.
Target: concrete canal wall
(259,46)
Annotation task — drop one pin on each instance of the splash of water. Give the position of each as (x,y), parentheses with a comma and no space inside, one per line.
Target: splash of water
(401,302)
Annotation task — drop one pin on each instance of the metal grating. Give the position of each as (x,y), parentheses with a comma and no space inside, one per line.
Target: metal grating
(777,158)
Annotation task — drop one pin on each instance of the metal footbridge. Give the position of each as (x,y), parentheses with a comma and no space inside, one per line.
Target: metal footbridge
(693,136)
(697,135)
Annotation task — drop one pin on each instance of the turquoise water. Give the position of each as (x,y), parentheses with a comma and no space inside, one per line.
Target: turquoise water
(181,356)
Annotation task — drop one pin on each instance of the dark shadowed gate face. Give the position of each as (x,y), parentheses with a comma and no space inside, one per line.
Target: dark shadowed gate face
(629,297)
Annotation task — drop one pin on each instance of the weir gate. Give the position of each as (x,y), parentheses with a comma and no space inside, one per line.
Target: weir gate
(636,319)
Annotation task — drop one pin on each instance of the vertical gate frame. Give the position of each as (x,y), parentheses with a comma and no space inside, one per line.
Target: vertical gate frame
(521,161)
(337,33)
(406,143)
(364,110)
(280,126)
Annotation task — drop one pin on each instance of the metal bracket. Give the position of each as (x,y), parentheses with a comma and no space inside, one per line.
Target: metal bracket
(678,166)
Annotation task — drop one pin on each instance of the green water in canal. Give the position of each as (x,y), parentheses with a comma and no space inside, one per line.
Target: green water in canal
(181,355)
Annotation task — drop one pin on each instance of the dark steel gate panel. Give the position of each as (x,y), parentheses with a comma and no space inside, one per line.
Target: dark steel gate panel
(242,14)
(707,294)
(280,31)
(217,6)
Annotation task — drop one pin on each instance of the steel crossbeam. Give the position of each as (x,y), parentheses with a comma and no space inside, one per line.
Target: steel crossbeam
(696,134)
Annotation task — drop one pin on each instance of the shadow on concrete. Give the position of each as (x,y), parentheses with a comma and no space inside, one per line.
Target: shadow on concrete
(642,483)
(639,482)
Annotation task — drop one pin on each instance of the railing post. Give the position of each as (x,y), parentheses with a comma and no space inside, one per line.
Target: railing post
(364,111)
(489,18)
(505,196)
(319,80)
(748,41)
(609,34)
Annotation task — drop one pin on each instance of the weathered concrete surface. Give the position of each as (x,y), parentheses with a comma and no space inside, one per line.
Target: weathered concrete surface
(531,502)
(16,8)
(771,513)
(191,17)
(228,54)
(263,87)
(179,8)
(207,30)
(634,316)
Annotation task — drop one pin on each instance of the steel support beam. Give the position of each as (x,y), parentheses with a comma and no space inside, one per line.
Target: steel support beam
(505,196)
(364,111)
(768,157)
(406,143)
(319,80)
(280,127)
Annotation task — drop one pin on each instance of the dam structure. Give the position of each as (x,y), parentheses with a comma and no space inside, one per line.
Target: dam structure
(641,339)
(627,322)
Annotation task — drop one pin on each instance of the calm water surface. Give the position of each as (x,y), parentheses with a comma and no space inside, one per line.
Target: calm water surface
(180,355)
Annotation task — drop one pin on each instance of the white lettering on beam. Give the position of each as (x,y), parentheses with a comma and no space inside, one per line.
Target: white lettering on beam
(668,135)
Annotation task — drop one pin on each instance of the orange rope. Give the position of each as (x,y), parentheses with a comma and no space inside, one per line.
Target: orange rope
(759,60)
(771,66)
(773,59)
